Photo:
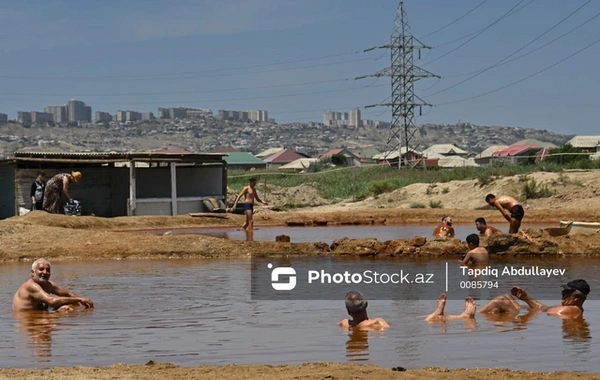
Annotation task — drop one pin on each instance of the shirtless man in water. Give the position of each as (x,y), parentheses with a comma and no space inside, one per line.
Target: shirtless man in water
(574,295)
(250,194)
(510,208)
(477,255)
(356,305)
(484,229)
(37,292)
(445,229)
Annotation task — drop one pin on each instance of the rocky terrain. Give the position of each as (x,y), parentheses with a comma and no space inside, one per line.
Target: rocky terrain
(206,134)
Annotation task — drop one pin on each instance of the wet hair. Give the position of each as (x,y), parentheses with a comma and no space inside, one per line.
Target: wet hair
(480,221)
(253,179)
(37,262)
(473,239)
(489,197)
(355,302)
(41,173)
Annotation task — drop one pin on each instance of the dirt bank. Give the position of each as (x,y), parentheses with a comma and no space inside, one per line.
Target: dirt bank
(304,371)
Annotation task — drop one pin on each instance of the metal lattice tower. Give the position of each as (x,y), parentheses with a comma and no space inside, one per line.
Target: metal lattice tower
(404,74)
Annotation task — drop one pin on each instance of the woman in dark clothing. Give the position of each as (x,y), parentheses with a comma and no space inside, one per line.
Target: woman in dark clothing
(56,188)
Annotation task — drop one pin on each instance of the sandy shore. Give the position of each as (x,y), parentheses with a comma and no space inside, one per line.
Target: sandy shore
(308,371)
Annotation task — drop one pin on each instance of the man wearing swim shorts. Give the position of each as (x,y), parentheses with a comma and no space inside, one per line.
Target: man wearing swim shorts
(249,193)
(510,208)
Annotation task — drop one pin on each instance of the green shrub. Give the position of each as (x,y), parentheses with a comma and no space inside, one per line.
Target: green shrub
(416,205)
(435,204)
(445,190)
(380,187)
(532,190)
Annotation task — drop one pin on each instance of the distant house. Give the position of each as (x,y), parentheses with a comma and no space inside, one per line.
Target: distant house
(366,155)
(451,161)
(351,158)
(224,149)
(269,152)
(298,165)
(282,157)
(445,150)
(516,154)
(487,156)
(243,161)
(588,144)
(410,157)
(534,142)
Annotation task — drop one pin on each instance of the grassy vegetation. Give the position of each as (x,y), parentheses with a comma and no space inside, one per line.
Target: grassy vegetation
(359,183)
(532,190)
(435,204)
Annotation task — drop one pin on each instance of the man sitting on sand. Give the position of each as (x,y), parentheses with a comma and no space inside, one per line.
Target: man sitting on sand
(484,229)
(510,208)
(438,314)
(445,229)
(37,292)
(574,295)
(477,255)
(356,305)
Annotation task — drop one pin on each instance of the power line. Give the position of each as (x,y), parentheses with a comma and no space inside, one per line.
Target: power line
(534,50)
(523,79)
(455,21)
(186,77)
(505,15)
(190,92)
(513,53)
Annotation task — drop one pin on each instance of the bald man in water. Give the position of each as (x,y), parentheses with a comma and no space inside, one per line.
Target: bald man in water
(39,293)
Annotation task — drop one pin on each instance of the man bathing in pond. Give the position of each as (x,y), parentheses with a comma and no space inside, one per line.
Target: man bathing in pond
(477,255)
(510,208)
(249,193)
(356,305)
(39,293)
(445,229)
(484,229)
(574,295)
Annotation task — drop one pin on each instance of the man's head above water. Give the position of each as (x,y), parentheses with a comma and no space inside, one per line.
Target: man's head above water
(447,220)
(356,302)
(40,270)
(575,292)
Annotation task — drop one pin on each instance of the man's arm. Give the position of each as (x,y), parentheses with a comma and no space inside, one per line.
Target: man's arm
(62,291)
(32,193)
(504,211)
(38,294)
(241,194)
(258,198)
(465,261)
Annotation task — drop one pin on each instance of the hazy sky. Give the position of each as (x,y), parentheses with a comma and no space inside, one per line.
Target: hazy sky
(297,58)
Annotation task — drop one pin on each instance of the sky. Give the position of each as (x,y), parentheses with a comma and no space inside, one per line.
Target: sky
(521,63)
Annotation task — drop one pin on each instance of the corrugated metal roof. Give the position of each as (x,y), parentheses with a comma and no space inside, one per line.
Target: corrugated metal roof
(299,164)
(234,158)
(584,141)
(490,150)
(534,142)
(515,150)
(269,152)
(284,157)
(115,156)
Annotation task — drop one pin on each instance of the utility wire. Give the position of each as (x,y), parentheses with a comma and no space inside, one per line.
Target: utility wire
(523,79)
(455,21)
(513,53)
(505,15)
(534,50)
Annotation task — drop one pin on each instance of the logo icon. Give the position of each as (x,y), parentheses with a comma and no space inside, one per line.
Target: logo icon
(282,271)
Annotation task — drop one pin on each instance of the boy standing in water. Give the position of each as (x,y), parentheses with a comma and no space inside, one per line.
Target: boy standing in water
(250,194)
(510,208)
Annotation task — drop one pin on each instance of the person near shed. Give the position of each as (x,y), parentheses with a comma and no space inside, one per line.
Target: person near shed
(57,192)
(37,191)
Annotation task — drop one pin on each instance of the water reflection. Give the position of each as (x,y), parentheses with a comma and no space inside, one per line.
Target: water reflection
(576,329)
(37,327)
(357,346)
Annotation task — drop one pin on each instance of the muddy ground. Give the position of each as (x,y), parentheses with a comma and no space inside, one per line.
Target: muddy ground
(309,371)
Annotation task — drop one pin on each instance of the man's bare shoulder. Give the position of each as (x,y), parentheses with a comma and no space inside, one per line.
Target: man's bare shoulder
(344,323)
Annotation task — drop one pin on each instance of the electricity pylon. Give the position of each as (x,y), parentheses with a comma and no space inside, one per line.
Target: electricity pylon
(404,74)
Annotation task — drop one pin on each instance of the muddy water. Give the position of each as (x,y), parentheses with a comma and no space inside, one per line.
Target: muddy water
(328,234)
(193,312)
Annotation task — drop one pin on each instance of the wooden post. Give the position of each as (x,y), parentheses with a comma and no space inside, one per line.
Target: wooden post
(173,189)
(132,189)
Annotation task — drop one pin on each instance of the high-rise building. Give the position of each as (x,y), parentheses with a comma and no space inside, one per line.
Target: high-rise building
(103,116)
(23,117)
(147,116)
(59,113)
(41,117)
(336,118)
(177,113)
(163,113)
(79,111)
(3,118)
(355,120)
(258,115)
